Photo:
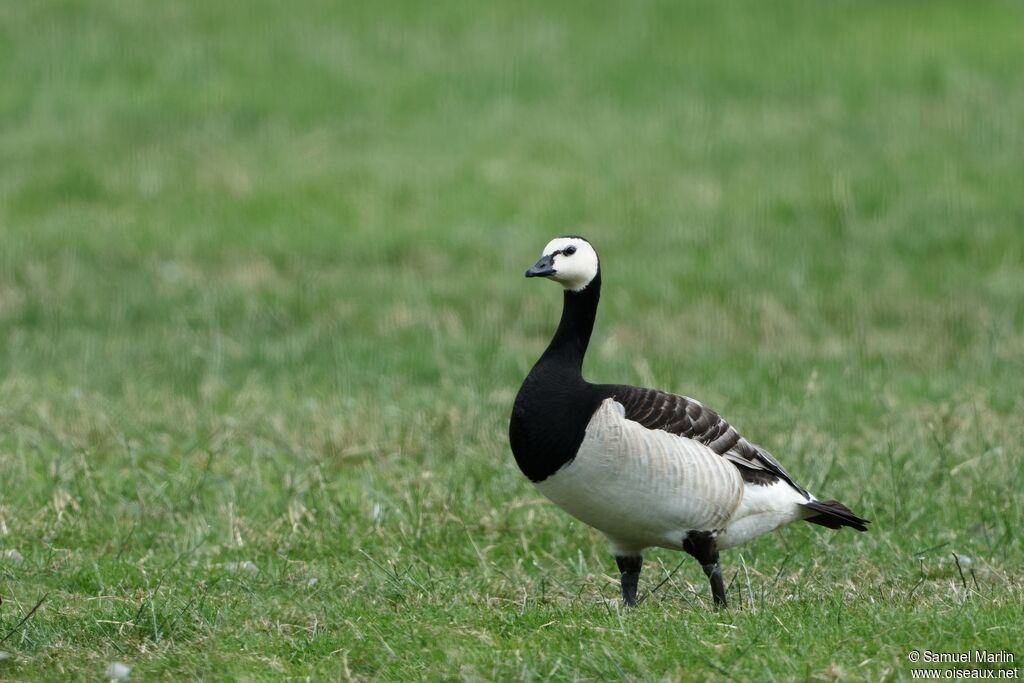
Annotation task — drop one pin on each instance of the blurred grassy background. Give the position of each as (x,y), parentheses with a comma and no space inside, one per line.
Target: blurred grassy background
(262,319)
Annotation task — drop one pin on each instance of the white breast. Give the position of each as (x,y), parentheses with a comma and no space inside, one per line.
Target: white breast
(644,487)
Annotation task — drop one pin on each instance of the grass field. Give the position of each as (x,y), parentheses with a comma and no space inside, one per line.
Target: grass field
(262,318)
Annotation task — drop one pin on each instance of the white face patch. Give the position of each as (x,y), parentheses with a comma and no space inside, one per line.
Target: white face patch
(576,269)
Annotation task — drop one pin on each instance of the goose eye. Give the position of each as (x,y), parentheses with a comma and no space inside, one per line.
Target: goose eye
(569,251)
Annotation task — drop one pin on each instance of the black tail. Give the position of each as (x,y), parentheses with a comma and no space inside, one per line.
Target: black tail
(834,515)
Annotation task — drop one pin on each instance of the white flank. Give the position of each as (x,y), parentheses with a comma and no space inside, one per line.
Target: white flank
(644,487)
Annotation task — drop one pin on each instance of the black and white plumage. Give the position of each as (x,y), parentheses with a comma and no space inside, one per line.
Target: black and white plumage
(645,467)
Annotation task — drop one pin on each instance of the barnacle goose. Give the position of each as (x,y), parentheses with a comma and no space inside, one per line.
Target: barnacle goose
(645,467)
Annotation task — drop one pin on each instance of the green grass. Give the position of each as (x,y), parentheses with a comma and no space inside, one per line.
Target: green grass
(262,318)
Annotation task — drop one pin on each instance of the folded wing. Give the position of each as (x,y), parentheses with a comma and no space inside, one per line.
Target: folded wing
(687,417)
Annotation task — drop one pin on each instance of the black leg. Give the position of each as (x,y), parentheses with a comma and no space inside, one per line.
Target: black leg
(629,573)
(714,573)
(704,548)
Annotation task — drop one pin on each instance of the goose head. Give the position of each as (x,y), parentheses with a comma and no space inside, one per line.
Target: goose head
(569,261)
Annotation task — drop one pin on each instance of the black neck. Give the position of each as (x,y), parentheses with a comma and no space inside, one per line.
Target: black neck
(555,404)
(579,309)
